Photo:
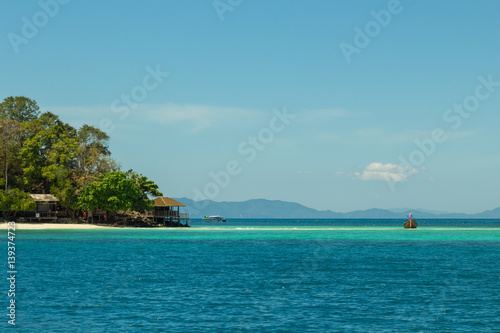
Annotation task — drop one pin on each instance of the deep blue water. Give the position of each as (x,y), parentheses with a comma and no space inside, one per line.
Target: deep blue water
(261,276)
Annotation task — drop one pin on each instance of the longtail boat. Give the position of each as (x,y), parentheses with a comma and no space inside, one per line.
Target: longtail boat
(410,223)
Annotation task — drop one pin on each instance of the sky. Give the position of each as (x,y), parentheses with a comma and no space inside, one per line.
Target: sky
(339,105)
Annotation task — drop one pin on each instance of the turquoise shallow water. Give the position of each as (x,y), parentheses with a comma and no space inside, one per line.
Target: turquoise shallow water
(260,276)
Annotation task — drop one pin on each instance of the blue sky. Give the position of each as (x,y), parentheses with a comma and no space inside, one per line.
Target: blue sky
(235,100)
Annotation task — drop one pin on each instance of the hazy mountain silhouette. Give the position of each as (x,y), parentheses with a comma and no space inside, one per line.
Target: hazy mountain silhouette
(262,208)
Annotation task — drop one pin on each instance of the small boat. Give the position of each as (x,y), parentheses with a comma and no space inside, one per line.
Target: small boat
(410,223)
(214,218)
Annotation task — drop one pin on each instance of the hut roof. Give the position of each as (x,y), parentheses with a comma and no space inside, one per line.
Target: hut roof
(167,202)
(43,197)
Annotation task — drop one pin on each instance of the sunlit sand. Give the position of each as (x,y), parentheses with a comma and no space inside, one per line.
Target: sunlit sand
(35,226)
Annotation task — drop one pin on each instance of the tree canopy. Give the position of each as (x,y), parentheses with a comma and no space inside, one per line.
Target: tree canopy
(19,108)
(15,200)
(40,153)
(116,190)
(10,142)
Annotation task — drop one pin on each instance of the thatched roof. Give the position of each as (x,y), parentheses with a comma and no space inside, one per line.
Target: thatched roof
(43,197)
(167,202)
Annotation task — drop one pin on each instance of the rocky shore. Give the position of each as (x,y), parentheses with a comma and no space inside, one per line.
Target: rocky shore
(117,221)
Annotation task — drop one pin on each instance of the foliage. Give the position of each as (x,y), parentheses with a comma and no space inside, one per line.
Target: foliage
(118,190)
(52,148)
(39,153)
(20,109)
(15,200)
(92,156)
(146,186)
(62,186)
(10,131)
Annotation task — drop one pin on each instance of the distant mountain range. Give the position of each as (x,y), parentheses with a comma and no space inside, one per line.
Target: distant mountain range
(262,208)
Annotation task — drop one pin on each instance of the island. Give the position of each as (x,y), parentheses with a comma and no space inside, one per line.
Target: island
(53,172)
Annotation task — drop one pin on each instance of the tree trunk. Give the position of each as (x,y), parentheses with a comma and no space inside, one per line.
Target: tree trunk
(8,214)
(6,169)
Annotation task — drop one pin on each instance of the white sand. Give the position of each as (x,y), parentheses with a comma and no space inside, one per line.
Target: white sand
(34,226)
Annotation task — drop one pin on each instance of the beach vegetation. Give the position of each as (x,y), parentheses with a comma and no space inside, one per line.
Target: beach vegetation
(13,200)
(118,191)
(40,153)
(20,109)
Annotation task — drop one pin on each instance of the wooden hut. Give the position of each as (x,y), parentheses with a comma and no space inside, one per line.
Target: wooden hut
(46,208)
(167,212)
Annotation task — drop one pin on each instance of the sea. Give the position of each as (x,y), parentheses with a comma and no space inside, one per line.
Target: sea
(259,275)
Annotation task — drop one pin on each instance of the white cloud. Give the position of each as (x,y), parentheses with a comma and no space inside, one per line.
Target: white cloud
(302,171)
(385,172)
(194,116)
(305,117)
(198,117)
(328,136)
(381,136)
(370,133)
(316,114)
(460,134)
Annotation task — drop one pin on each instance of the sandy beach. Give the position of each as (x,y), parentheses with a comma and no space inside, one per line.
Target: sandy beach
(35,226)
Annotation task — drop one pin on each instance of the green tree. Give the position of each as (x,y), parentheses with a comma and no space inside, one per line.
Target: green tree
(19,108)
(146,186)
(64,189)
(59,159)
(116,191)
(44,122)
(39,153)
(52,145)
(14,200)
(92,156)
(10,131)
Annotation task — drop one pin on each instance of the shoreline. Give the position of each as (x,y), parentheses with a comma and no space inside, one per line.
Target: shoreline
(39,226)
